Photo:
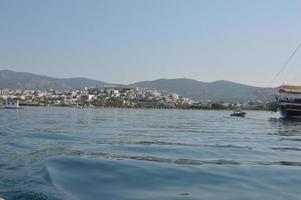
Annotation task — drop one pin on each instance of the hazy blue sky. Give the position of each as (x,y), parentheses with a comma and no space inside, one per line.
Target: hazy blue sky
(125,41)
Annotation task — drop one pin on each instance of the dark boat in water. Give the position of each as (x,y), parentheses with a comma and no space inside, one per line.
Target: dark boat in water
(238,114)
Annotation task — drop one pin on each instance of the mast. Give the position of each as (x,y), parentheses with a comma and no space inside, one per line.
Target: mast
(287,62)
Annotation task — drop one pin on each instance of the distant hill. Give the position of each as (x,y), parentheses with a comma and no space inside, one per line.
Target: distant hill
(23,80)
(196,90)
(217,90)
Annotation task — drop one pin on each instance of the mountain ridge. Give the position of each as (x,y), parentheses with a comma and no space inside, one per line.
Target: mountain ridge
(220,90)
(24,80)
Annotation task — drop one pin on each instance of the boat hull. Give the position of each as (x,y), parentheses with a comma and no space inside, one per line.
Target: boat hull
(290,109)
(11,108)
(238,114)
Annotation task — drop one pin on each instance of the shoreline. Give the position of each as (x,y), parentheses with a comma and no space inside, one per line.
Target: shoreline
(22,106)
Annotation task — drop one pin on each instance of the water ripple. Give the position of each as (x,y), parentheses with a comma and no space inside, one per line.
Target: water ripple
(65,153)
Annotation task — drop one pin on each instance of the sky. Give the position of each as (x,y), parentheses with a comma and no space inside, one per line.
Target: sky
(124,41)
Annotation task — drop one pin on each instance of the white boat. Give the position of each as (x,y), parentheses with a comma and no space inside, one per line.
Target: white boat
(11,104)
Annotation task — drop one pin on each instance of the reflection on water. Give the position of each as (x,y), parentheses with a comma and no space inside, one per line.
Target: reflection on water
(65,153)
(287,126)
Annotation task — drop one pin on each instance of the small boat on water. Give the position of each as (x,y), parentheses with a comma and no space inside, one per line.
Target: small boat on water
(238,114)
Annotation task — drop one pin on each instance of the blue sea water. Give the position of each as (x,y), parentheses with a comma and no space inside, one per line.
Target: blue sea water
(68,153)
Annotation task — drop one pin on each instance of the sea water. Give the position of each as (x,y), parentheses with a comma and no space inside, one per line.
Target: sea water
(69,153)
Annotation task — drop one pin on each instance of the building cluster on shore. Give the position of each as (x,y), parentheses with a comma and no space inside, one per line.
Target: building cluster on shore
(115,97)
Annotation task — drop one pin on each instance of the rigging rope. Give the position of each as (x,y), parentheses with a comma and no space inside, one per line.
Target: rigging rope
(287,62)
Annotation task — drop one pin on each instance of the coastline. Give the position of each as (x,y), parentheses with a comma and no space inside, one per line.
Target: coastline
(22,106)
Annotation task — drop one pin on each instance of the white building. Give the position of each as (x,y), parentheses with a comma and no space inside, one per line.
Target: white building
(113,92)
